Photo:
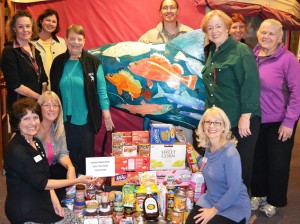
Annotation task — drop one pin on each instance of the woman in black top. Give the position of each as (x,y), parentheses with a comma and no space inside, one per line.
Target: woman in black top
(30,192)
(21,63)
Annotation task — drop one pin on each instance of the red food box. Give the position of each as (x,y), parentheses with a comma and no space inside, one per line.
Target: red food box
(132,164)
(125,178)
(121,138)
(140,137)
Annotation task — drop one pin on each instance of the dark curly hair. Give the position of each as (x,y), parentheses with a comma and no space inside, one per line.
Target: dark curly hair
(46,13)
(20,108)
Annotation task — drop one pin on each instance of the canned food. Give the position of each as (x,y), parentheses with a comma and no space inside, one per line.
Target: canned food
(176,217)
(118,196)
(180,200)
(189,199)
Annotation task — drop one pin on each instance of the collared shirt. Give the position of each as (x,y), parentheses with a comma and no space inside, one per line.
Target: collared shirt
(157,34)
(231,80)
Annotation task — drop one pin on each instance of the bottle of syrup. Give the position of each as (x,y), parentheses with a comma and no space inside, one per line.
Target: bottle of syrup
(150,206)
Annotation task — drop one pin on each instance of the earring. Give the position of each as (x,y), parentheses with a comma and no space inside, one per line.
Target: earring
(223,131)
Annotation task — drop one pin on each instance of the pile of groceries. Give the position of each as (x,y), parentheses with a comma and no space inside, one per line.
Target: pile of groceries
(157,181)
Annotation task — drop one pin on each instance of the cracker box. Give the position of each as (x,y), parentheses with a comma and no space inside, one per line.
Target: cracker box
(132,164)
(173,177)
(121,138)
(129,150)
(117,150)
(125,178)
(144,149)
(162,134)
(140,137)
(167,157)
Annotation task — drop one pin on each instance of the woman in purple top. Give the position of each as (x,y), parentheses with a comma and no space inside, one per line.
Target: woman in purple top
(226,200)
(279,72)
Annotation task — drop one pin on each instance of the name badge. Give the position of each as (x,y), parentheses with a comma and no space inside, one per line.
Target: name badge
(37,158)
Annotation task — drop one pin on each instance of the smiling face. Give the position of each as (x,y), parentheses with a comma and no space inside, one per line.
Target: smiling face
(213,126)
(29,124)
(23,29)
(169,11)
(238,30)
(50,110)
(49,24)
(269,36)
(216,30)
(75,43)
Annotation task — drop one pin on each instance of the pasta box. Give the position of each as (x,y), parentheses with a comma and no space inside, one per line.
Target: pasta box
(162,134)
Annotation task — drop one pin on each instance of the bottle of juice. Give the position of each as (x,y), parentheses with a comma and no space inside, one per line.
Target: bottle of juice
(140,197)
(150,206)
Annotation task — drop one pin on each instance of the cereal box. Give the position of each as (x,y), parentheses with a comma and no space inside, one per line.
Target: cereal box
(173,177)
(162,134)
(147,178)
(167,157)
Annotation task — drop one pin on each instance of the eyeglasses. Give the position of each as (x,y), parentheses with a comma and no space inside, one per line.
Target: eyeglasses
(48,106)
(215,123)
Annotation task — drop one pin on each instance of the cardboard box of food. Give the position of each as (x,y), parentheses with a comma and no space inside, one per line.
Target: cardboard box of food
(125,178)
(167,157)
(132,164)
(173,177)
(140,137)
(121,138)
(162,134)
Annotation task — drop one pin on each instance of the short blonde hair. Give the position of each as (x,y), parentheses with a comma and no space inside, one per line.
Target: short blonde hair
(226,19)
(202,139)
(59,122)
(274,23)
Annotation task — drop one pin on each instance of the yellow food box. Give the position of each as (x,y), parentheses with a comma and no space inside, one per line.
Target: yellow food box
(168,157)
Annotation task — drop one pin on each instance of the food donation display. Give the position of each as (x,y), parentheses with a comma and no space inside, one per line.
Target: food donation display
(156,180)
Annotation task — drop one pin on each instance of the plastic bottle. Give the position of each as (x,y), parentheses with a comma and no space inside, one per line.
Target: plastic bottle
(140,197)
(155,191)
(197,183)
(150,206)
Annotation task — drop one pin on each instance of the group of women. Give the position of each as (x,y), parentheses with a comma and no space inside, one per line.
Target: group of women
(259,91)
(252,102)
(63,140)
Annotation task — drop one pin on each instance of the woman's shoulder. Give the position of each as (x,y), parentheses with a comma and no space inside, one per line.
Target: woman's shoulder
(230,149)
(15,146)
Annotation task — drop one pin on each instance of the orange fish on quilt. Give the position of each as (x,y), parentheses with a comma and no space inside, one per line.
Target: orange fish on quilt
(158,68)
(124,81)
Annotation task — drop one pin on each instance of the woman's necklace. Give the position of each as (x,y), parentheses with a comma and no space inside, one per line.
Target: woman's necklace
(35,145)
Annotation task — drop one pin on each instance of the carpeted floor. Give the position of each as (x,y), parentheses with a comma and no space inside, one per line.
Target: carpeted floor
(287,215)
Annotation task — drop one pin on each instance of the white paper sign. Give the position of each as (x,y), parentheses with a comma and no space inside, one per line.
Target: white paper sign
(100,166)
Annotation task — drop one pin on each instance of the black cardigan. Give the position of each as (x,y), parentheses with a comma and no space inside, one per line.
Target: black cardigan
(90,64)
(18,70)
(27,174)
